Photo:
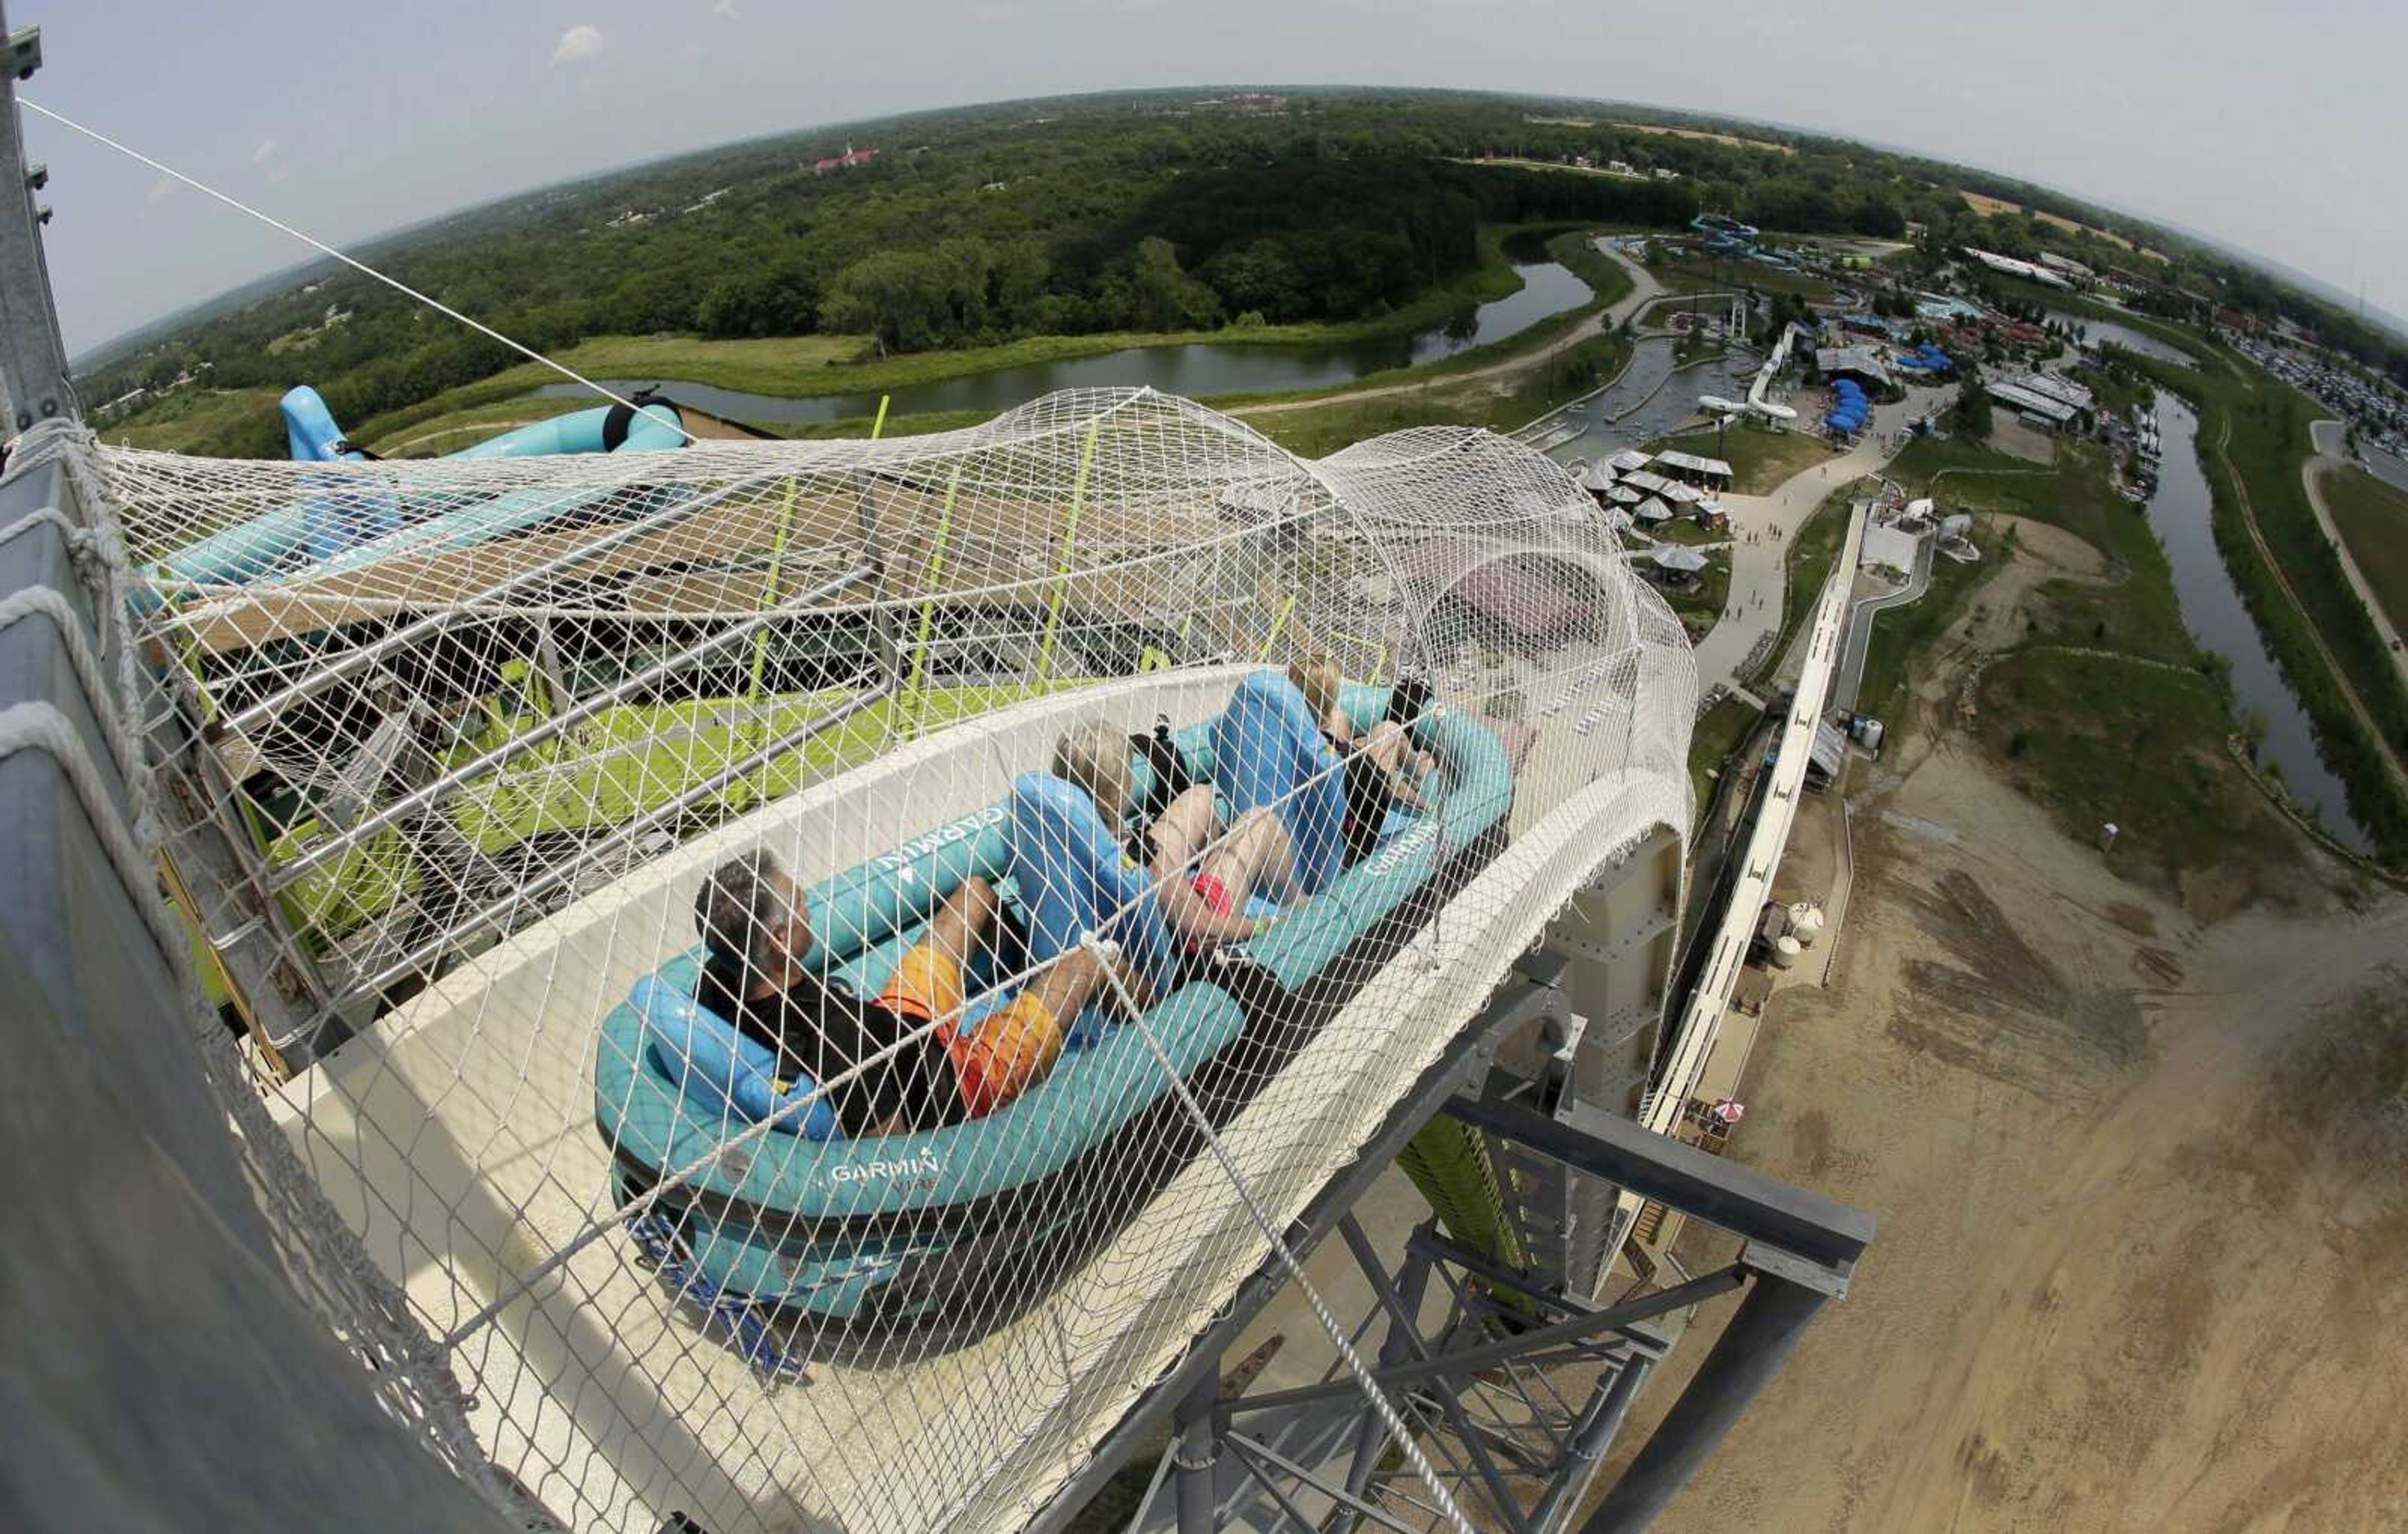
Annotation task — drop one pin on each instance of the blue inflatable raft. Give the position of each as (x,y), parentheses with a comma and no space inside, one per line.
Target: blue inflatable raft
(942,1236)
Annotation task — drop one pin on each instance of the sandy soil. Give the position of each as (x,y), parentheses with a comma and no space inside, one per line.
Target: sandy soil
(2143,1184)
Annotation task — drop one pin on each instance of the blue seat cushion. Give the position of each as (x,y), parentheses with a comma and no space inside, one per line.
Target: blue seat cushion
(716,1067)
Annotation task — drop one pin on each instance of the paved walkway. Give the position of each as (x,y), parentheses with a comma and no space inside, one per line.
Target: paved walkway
(1757,586)
(2310,478)
(1644,288)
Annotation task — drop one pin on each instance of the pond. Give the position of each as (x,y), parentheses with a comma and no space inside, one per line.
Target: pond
(1201,370)
(2179,514)
(2139,342)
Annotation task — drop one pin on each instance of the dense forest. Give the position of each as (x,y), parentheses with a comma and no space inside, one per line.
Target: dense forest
(1151,212)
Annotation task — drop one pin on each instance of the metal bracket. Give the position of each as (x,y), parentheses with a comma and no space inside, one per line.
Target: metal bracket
(25,52)
(1830,1278)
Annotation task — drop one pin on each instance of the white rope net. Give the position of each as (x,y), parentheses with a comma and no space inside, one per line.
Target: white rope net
(691,858)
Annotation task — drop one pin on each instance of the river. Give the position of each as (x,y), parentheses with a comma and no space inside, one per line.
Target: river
(2139,341)
(2180,514)
(1197,370)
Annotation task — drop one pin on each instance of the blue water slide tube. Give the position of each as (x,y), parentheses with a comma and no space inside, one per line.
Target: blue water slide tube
(349,523)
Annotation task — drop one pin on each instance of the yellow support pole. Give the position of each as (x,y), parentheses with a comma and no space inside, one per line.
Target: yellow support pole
(770,599)
(1062,574)
(929,604)
(1278,626)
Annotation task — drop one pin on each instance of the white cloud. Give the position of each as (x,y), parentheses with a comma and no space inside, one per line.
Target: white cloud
(726,8)
(265,151)
(580,43)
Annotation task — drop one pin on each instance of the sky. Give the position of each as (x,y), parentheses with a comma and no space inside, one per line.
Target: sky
(2271,128)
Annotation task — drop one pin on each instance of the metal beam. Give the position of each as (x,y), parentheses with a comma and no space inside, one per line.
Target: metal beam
(1406,1327)
(1472,1360)
(1258,1454)
(1739,1200)
(1395,1348)
(32,358)
(1529,995)
(1195,1453)
(1759,1338)
(1596,1433)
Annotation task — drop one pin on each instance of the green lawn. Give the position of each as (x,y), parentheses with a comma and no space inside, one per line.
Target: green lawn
(1709,274)
(1319,430)
(1760,460)
(1901,635)
(1716,736)
(2136,736)
(2137,613)
(2373,519)
(1701,605)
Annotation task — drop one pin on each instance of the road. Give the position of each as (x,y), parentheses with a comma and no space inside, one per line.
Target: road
(1762,526)
(1644,288)
(2310,478)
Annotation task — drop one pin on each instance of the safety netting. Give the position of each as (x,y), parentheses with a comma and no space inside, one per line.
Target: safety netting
(816,968)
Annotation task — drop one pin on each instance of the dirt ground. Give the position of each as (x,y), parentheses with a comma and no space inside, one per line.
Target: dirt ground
(2143,1184)
(2017,439)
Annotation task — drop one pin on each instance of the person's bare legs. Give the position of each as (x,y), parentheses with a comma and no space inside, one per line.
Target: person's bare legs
(1075,978)
(1257,851)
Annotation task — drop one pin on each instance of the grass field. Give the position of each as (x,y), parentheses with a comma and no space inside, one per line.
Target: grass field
(1761,461)
(1703,603)
(2099,739)
(1901,634)
(2136,613)
(2101,708)
(187,418)
(1321,429)
(2253,437)
(1809,561)
(1990,207)
(1718,274)
(2373,519)
(1732,141)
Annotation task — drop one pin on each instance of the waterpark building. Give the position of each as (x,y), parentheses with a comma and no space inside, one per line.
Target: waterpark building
(2007,265)
(1861,363)
(1711,473)
(2044,399)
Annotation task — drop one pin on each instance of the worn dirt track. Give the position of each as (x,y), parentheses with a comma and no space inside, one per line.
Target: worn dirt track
(2143,1184)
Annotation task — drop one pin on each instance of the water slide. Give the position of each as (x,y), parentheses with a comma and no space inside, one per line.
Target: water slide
(1110,557)
(1755,403)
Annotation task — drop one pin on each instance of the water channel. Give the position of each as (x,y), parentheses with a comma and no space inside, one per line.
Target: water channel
(1648,401)
(1200,369)
(2180,514)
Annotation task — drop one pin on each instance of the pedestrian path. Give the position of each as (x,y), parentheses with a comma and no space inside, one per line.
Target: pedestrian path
(1762,526)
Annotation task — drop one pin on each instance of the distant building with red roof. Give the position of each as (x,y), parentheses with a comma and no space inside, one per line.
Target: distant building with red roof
(850,158)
